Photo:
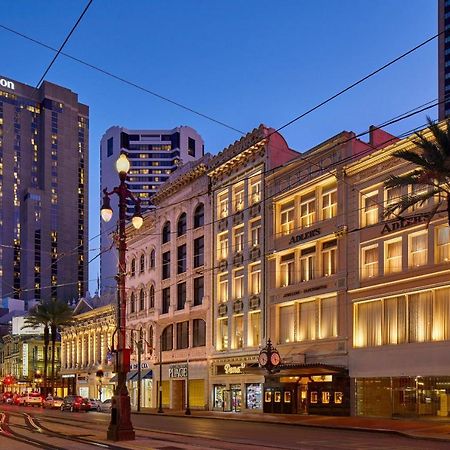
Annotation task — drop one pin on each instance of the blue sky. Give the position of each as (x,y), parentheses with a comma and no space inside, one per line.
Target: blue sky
(242,62)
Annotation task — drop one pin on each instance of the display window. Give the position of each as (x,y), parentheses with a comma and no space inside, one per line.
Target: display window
(254,396)
(219,395)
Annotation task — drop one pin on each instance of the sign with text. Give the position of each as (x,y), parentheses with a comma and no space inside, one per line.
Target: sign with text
(304,236)
(389,227)
(7,84)
(231,369)
(178,371)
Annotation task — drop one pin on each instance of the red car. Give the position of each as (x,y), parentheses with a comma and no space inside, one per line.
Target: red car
(75,403)
(7,397)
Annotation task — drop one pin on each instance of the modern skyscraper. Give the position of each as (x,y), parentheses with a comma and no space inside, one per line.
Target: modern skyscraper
(43,192)
(153,155)
(444,58)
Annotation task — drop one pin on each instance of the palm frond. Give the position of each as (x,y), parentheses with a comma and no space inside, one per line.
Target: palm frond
(408,201)
(415,158)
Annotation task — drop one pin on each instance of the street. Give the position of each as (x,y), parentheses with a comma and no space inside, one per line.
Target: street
(26,428)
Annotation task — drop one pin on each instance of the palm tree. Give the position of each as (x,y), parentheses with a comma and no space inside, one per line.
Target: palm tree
(53,315)
(431,159)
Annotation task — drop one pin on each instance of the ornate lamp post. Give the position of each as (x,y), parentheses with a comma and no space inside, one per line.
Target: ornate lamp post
(120,427)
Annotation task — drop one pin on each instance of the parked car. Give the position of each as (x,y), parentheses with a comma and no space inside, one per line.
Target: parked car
(17,399)
(52,402)
(96,405)
(32,399)
(105,406)
(75,403)
(7,397)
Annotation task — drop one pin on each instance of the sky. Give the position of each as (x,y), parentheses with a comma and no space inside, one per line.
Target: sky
(240,62)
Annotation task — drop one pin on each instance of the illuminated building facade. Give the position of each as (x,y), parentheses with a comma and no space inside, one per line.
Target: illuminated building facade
(43,186)
(167,292)
(399,295)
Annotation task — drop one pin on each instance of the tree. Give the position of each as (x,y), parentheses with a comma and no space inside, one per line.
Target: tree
(431,159)
(53,315)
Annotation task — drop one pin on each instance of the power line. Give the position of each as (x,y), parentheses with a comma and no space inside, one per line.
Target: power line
(64,43)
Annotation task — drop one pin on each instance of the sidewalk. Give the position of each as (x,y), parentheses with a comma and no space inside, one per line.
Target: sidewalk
(435,428)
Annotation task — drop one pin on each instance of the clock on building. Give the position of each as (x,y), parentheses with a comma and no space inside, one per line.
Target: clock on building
(269,357)
(263,359)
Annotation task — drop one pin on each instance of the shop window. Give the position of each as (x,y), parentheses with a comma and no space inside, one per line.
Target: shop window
(254,329)
(199,251)
(222,246)
(369,208)
(286,324)
(167,338)
(222,205)
(166,233)
(255,233)
(308,263)
(183,334)
(199,333)
(326,397)
(418,249)
(329,252)
(253,396)
(369,258)
(198,290)
(287,218)
(166,265)
(222,334)
(443,244)
(223,287)
(329,203)
(238,197)
(199,216)
(287,396)
(307,321)
(182,225)
(181,295)
(218,395)
(181,259)
(268,396)
(238,239)
(238,331)
(393,256)
(338,398)
(314,397)
(307,210)
(255,279)
(287,269)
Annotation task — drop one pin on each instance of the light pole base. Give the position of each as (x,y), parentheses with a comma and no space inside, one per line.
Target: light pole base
(120,428)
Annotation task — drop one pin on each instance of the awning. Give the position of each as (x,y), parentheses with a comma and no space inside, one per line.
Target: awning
(131,374)
(147,374)
(113,379)
(293,369)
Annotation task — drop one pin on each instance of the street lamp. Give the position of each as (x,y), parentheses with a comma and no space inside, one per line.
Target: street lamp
(120,428)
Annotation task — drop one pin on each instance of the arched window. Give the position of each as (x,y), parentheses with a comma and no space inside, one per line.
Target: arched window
(150,339)
(142,263)
(132,303)
(166,232)
(151,297)
(152,259)
(182,225)
(167,338)
(142,300)
(133,267)
(199,216)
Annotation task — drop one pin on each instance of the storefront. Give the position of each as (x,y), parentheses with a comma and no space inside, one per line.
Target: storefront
(308,389)
(88,385)
(146,385)
(236,385)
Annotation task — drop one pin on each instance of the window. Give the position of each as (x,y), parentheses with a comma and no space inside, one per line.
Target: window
(142,264)
(418,249)
(392,196)
(151,339)
(329,203)
(238,331)
(181,259)
(198,290)
(329,258)
(255,190)
(152,259)
(418,190)
(223,287)
(199,250)
(222,246)
(199,216)
(238,283)
(167,338)
(165,300)
(369,208)
(165,265)
(142,300)
(254,329)
(132,303)
(239,239)
(307,263)
(328,317)
(133,267)
(199,333)
(222,334)
(183,335)
(369,257)
(286,324)
(443,244)
(151,297)
(109,147)
(182,225)
(287,268)
(287,218)
(191,146)
(307,326)
(181,295)
(255,279)
(368,318)
(307,210)
(222,204)
(238,197)
(393,256)
(255,233)
(166,233)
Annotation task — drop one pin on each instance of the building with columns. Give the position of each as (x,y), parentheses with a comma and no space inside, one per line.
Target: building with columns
(85,349)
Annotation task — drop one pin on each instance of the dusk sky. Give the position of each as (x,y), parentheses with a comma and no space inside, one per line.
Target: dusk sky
(241,62)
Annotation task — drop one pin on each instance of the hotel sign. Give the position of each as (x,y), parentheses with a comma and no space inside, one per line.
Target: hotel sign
(389,227)
(7,84)
(229,369)
(178,371)
(304,236)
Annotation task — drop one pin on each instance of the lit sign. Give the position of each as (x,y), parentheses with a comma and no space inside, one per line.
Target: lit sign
(7,84)
(178,371)
(25,360)
(228,369)
(304,236)
(144,365)
(404,223)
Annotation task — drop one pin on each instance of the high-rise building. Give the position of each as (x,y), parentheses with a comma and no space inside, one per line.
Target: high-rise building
(444,58)
(43,192)
(153,156)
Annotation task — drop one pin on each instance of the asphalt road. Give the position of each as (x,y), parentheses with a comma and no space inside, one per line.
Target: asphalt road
(168,432)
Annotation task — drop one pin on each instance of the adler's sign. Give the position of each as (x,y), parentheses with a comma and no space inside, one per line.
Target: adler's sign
(7,84)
